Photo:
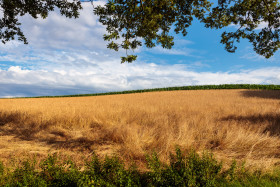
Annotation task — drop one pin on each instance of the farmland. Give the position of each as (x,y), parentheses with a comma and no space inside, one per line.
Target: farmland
(233,124)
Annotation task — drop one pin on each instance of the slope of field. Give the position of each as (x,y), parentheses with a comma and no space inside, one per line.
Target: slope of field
(233,124)
(196,87)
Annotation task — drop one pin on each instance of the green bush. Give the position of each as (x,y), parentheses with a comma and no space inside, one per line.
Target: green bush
(185,170)
(24,175)
(60,174)
(110,172)
(188,169)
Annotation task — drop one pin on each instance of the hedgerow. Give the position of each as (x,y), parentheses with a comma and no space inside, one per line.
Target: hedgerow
(199,87)
(184,169)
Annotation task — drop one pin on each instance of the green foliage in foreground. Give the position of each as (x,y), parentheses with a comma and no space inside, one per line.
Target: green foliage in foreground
(200,87)
(183,170)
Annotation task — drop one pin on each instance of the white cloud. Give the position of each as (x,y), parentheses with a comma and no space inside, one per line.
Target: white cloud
(251,55)
(57,32)
(260,26)
(86,75)
(174,51)
(179,48)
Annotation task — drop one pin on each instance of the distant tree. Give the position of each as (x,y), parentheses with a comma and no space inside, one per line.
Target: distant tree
(132,23)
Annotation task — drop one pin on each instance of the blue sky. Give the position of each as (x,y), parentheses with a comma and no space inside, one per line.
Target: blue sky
(69,56)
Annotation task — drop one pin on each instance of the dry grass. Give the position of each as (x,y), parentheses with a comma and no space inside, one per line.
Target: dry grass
(233,124)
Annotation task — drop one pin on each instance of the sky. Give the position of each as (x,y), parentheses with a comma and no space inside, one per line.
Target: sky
(68,56)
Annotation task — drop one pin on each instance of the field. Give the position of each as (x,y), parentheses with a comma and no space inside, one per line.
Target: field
(233,124)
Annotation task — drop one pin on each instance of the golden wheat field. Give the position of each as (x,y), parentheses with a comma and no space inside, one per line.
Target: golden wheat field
(233,124)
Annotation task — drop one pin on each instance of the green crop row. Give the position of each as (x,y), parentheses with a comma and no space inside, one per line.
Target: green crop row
(199,87)
(184,169)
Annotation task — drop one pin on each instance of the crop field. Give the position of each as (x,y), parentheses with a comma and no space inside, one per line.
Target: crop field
(233,124)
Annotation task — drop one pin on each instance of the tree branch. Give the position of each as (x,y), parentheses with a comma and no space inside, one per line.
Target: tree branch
(267,7)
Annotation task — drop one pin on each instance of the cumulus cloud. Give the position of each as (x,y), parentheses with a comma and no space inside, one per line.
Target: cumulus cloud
(91,76)
(57,32)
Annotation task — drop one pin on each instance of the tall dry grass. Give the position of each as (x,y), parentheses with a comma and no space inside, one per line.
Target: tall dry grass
(233,124)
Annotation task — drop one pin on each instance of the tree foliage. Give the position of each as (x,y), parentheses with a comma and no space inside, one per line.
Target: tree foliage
(133,23)
(148,21)
(248,15)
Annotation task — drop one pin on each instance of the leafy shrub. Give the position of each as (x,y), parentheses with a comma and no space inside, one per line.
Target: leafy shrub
(110,172)
(183,170)
(59,174)
(25,175)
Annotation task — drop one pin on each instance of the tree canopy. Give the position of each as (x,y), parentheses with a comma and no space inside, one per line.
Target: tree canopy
(133,23)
